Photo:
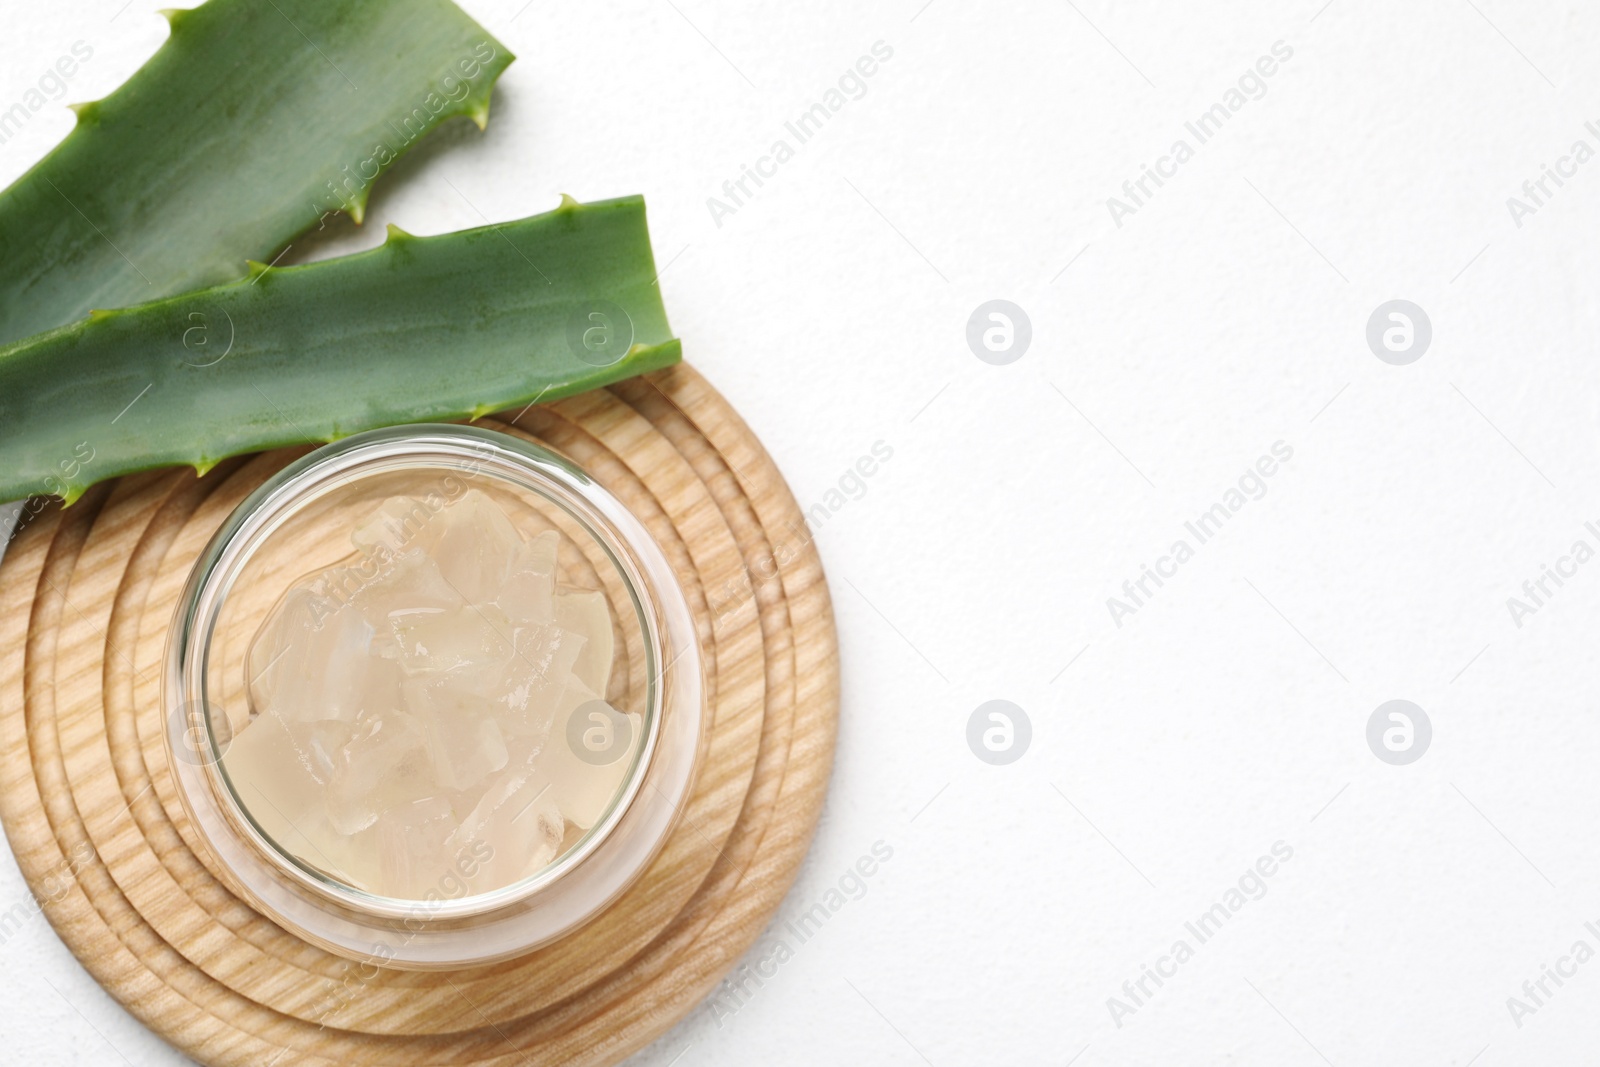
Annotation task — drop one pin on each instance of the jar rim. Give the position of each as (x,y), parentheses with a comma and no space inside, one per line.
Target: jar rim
(292,890)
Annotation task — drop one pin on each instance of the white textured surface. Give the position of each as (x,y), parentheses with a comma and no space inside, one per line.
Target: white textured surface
(1227,714)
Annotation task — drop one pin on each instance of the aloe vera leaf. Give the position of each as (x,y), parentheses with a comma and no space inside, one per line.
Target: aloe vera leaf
(418,329)
(252,122)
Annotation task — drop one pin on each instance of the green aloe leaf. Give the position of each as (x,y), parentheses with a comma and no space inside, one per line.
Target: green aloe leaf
(420,328)
(254,120)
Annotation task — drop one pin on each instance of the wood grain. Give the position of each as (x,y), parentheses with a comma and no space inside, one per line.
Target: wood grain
(86,597)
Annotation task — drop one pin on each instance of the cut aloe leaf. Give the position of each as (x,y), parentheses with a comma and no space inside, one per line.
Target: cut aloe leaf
(418,329)
(254,120)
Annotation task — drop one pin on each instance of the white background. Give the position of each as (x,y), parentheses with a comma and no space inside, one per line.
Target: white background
(1229,313)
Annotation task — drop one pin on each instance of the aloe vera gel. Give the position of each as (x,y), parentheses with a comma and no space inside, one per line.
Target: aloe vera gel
(428,717)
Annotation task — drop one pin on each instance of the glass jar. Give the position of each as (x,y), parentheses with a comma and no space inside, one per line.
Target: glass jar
(300,522)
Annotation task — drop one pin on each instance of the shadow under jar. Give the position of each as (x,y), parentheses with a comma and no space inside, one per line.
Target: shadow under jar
(434,697)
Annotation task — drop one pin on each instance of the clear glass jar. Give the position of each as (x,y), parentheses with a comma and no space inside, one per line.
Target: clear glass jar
(299,522)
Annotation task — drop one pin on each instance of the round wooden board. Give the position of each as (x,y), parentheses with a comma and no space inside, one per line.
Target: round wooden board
(86,597)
